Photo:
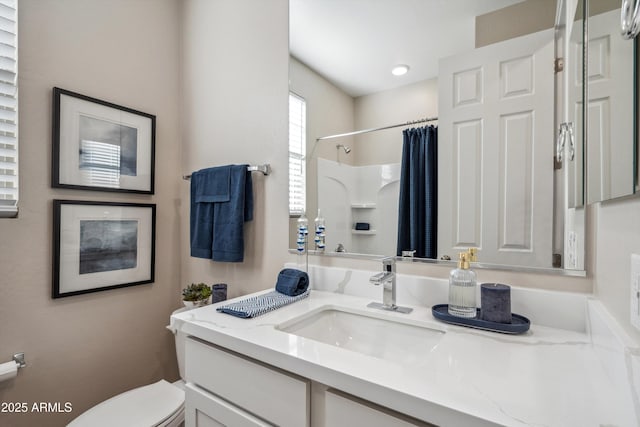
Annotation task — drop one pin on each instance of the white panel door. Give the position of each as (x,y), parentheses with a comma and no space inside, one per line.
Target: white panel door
(610,110)
(495,152)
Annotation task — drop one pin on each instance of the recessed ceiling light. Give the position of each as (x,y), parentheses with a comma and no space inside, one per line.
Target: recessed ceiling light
(400,70)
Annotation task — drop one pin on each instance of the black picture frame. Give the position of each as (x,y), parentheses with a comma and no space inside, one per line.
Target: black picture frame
(98,246)
(98,145)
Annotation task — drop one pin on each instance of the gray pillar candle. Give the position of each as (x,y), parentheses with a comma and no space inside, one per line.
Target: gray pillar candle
(219,292)
(495,302)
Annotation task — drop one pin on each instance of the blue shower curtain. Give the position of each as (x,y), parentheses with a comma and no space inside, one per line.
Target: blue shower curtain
(418,204)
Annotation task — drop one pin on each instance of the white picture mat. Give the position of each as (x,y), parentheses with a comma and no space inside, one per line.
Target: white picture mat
(71,109)
(70,280)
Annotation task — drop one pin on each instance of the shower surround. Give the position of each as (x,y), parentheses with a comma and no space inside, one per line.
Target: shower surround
(359,194)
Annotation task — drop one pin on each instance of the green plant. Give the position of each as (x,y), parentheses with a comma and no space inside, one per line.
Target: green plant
(196,292)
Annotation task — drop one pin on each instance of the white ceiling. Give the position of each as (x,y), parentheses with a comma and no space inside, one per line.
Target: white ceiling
(355,43)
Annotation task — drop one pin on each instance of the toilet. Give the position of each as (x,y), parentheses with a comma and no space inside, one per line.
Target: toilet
(160,404)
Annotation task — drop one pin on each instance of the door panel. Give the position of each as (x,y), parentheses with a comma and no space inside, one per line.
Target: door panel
(495,151)
(610,112)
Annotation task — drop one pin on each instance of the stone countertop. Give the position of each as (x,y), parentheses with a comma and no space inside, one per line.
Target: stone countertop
(545,377)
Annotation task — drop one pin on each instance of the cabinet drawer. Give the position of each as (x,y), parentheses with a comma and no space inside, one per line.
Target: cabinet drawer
(202,409)
(342,410)
(270,394)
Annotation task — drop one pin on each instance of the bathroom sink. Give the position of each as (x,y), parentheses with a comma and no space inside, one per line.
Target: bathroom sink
(377,336)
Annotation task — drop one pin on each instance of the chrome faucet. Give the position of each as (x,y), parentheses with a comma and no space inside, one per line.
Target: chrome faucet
(388,281)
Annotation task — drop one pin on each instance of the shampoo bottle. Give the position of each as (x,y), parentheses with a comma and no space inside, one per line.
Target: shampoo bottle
(303,231)
(320,233)
(462,289)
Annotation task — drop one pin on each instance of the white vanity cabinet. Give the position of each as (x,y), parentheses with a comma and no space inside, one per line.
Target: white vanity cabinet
(230,389)
(264,371)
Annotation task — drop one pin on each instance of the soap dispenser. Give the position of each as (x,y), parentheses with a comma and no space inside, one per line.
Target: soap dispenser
(462,289)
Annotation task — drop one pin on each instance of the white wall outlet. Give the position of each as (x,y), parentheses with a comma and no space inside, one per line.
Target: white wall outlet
(635,290)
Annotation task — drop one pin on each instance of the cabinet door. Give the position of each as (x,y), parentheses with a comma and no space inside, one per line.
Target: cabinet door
(203,409)
(271,394)
(343,411)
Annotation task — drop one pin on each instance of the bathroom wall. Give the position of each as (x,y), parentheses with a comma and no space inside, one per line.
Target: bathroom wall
(406,103)
(506,23)
(84,349)
(617,225)
(235,60)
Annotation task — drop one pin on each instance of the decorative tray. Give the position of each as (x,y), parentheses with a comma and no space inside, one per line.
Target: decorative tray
(519,324)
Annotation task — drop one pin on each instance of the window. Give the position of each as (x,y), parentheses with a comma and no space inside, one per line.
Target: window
(297,152)
(8,109)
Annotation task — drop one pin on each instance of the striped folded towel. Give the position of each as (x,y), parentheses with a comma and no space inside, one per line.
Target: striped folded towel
(261,304)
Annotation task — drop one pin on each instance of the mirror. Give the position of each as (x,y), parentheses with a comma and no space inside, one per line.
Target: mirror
(612,137)
(489,198)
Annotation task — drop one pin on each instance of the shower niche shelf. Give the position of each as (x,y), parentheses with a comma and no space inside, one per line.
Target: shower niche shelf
(364,232)
(363,212)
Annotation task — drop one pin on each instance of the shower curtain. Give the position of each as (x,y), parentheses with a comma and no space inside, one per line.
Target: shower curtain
(418,202)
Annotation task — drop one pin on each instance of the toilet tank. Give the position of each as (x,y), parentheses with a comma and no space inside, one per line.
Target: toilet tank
(180,345)
(180,341)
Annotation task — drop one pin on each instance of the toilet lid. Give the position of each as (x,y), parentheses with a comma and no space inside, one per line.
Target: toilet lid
(144,406)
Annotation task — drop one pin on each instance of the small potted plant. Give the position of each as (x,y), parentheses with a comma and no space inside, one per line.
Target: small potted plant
(196,295)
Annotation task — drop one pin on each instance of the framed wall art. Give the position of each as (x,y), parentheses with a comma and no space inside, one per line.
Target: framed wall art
(102,146)
(102,245)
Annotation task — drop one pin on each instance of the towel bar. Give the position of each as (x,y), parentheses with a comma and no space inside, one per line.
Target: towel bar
(265,169)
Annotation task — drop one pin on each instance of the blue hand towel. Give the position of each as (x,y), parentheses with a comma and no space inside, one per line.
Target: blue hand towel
(292,282)
(261,304)
(212,185)
(221,201)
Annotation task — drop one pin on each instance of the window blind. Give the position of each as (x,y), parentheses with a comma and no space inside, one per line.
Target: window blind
(8,108)
(297,152)
(100,163)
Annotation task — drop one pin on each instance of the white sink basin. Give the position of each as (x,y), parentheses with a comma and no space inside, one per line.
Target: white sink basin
(377,336)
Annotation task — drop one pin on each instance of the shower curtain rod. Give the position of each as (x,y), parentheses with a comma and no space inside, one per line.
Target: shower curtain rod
(357,132)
